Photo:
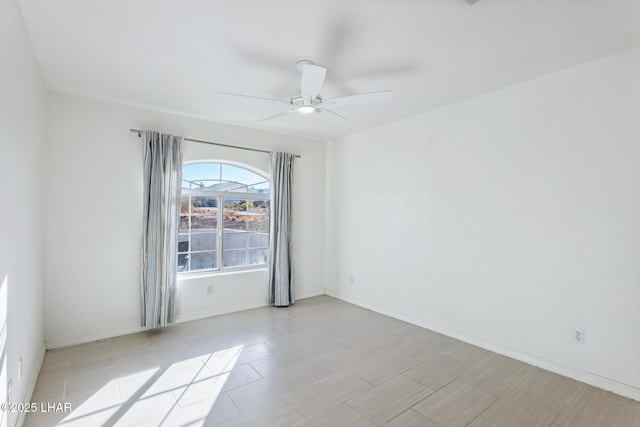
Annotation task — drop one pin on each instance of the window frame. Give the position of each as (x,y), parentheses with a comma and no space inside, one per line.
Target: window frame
(221,196)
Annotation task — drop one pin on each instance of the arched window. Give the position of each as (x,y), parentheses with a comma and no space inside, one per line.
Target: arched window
(224,218)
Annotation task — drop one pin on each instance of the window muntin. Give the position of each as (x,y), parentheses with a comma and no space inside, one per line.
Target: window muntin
(224,218)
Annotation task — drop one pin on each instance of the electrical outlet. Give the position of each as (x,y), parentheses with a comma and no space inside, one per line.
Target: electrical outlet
(352,280)
(577,335)
(209,289)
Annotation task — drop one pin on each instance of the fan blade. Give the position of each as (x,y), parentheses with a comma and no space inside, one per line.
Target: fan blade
(363,98)
(277,115)
(332,112)
(277,101)
(311,82)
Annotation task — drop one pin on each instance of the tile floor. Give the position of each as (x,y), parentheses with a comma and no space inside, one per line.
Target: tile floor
(321,362)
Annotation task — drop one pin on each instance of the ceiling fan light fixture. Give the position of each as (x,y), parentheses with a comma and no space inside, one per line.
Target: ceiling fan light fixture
(306,109)
(309,99)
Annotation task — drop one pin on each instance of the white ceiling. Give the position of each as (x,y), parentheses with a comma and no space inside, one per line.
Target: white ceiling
(178,54)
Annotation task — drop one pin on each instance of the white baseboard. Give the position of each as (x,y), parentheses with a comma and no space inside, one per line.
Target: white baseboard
(125,330)
(190,317)
(32,382)
(92,336)
(595,380)
(311,294)
(235,308)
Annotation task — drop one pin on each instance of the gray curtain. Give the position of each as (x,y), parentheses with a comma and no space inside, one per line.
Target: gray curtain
(281,277)
(162,182)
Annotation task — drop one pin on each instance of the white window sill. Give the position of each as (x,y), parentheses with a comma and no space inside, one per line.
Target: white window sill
(213,273)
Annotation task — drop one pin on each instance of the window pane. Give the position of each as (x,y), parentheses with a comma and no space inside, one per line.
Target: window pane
(235,205)
(234,218)
(261,187)
(234,239)
(204,203)
(183,260)
(204,184)
(183,243)
(184,205)
(200,175)
(258,224)
(259,206)
(240,175)
(204,241)
(184,213)
(235,258)
(231,186)
(257,240)
(184,223)
(258,219)
(234,222)
(204,213)
(245,224)
(257,256)
(203,260)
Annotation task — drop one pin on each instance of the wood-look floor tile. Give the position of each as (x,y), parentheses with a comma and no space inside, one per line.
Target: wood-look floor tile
(523,407)
(199,390)
(270,389)
(254,352)
(323,395)
(141,410)
(455,404)
(280,414)
(592,407)
(248,368)
(381,345)
(207,412)
(339,415)
(423,351)
(549,384)
(410,418)
(179,374)
(282,360)
(332,364)
(462,351)
(49,391)
(55,359)
(437,372)
(38,419)
(494,373)
(375,371)
(239,376)
(392,397)
(482,422)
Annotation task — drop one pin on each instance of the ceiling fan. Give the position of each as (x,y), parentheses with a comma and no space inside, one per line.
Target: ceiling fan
(309,99)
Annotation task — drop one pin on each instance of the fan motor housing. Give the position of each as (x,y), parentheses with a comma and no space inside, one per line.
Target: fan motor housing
(298,101)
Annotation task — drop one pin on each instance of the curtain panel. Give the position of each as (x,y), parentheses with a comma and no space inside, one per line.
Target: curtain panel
(281,274)
(162,183)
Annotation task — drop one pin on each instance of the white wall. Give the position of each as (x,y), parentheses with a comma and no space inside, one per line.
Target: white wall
(22,124)
(94,217)
(505,220)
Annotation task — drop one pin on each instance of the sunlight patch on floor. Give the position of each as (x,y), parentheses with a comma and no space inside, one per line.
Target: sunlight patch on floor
(186,390)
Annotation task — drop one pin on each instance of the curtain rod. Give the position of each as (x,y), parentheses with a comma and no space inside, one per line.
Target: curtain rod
(139,132)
